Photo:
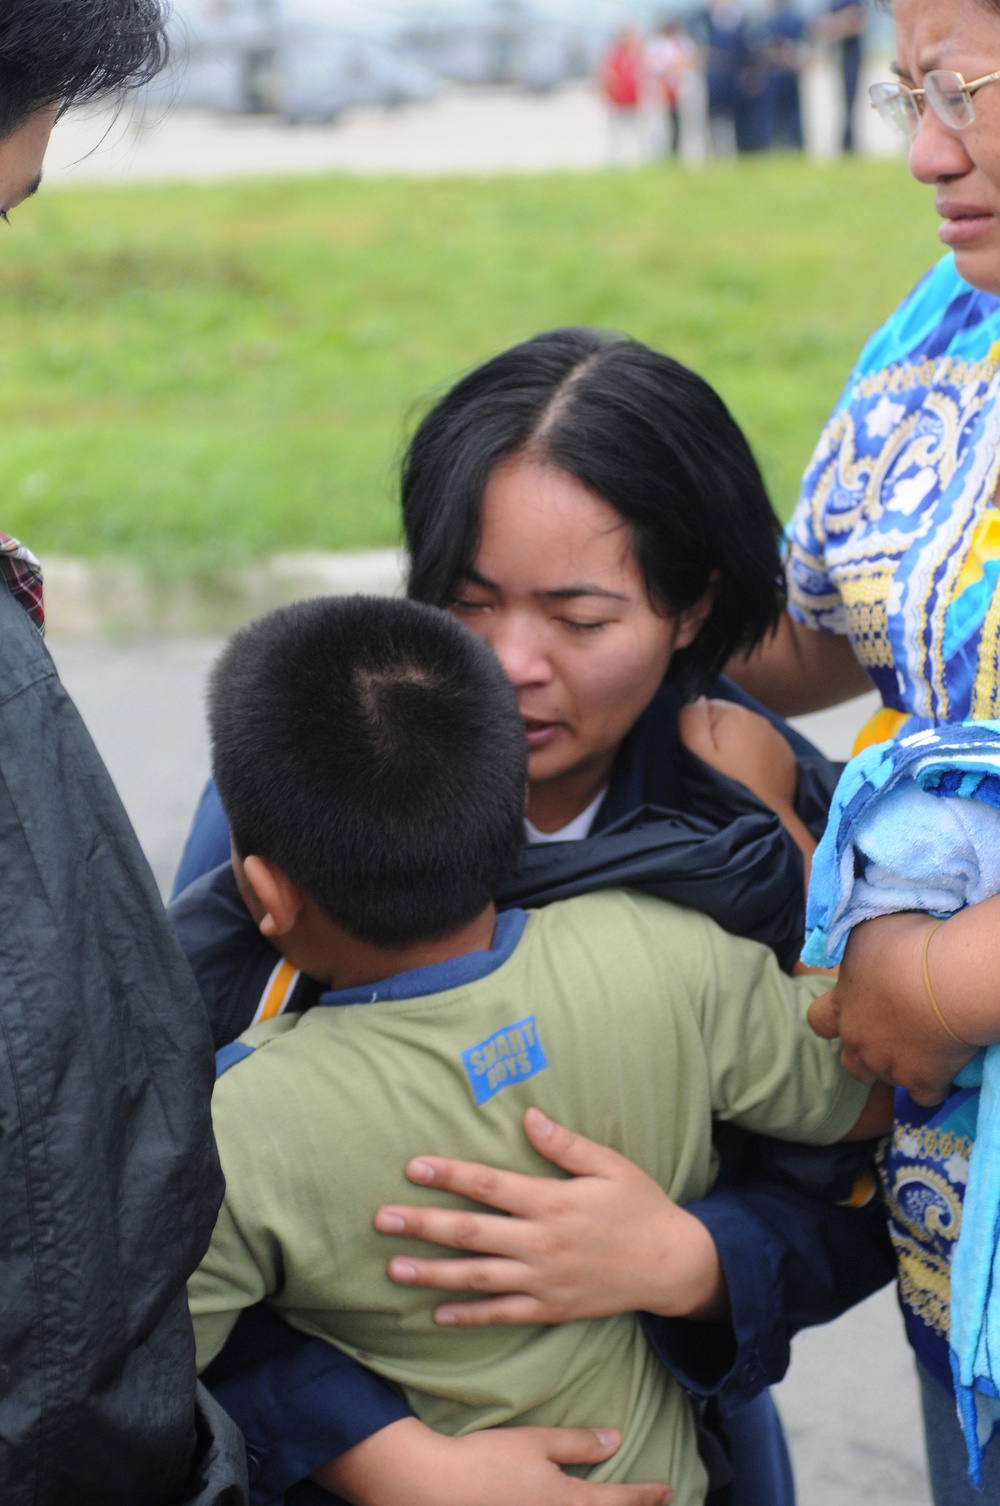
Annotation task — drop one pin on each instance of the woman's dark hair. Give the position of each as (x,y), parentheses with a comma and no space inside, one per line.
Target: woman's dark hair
(62,52)
(639,430)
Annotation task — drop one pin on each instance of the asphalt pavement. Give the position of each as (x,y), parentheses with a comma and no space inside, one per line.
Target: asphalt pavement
(464,131)
(850,1398)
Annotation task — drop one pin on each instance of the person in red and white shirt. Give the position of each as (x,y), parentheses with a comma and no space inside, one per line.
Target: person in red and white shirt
(623,80)
(670,57)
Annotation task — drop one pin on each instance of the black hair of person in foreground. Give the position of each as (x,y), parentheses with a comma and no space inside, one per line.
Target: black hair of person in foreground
(109,1181)
(652,440)
(56,53)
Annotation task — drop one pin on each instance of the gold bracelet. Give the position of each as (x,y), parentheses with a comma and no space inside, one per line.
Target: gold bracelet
(930,991)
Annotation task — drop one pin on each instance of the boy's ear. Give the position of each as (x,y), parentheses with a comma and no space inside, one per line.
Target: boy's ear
(279,899)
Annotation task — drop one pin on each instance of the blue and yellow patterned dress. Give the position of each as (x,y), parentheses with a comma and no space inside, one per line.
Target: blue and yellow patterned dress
(896,541)
(896,544)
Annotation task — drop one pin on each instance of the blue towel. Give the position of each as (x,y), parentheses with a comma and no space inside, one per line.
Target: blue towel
(889,846)
(915,825)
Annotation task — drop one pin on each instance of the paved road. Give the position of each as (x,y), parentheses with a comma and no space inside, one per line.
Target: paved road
(465,131)
(849,1401)
(144,707)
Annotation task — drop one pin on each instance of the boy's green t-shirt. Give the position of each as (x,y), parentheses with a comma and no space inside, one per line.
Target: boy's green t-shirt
(626,1018)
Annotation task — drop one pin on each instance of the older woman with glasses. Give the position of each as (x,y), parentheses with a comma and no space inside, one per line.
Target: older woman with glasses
(894,580)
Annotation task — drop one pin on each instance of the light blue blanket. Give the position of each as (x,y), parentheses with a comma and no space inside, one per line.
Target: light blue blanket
(915,825)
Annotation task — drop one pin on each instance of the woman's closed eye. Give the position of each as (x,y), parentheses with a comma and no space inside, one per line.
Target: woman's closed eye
(584,627)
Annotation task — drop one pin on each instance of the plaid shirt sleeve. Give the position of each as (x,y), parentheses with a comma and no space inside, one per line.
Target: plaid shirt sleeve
(22,575)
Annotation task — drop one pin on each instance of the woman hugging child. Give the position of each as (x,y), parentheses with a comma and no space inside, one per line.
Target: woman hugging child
(589,508)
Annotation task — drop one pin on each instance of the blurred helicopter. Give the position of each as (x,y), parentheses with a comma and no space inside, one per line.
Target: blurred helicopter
(309,62)
(244,57)
(508,42)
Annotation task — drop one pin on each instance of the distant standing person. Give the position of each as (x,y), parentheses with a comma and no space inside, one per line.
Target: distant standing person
(721,30)
(670,58)
(786,54)
(844,23)
(622,80)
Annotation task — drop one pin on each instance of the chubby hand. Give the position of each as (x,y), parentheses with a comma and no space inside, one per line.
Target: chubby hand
(609,1240)
(882,1013)
(743,745)
(408,1465)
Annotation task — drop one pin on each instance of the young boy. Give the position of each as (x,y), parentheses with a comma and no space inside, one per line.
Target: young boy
(371,760)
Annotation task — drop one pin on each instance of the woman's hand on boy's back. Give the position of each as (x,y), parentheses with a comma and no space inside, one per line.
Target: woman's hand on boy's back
(608,1240)
(409,1465)
(744,746)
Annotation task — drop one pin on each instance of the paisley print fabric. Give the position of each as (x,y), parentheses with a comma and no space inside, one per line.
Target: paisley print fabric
(896,539)
(924,1170)
(896,544)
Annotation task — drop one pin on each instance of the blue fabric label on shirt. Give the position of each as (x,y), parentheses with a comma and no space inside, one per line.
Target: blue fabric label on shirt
(510,1055)
(228,1056)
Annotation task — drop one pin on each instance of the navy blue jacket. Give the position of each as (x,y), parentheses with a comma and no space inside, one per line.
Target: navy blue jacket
(792,1257)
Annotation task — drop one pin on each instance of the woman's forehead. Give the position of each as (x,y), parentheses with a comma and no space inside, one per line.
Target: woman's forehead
(523,492)
(942,33)
(541,523)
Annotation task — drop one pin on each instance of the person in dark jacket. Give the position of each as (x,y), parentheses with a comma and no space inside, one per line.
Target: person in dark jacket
(843,23)
(577,442)
(784,41)
(733,77)
(109,1181)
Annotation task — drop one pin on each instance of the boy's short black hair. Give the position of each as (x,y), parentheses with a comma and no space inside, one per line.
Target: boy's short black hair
(373,750)
(643,432)
(61,52)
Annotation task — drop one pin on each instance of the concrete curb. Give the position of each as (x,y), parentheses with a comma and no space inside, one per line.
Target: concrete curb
(112,598)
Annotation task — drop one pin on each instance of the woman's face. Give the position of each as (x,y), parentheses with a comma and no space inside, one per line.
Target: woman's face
(963,166)
(558,596)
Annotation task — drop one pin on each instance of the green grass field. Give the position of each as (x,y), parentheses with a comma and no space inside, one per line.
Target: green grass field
(212,373)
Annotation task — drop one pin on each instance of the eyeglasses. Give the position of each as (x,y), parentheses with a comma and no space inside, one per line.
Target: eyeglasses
(948,95)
